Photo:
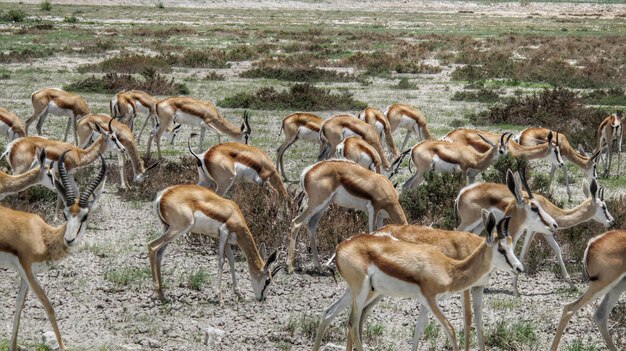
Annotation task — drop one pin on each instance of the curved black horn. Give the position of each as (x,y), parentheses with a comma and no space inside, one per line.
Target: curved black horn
(503,227)
(525,183)
(198,160)
(246,121)
(84,197)
(111,126)
(68,191)
(487,141)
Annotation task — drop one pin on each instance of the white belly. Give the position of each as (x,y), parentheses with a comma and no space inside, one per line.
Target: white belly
(55,110)
(344,199)
(345,132)
(247,174)
(139,108)
(185,118)
(406,122)
(307,134)
(209,226)
(8,260)
(390,286)
(440,165)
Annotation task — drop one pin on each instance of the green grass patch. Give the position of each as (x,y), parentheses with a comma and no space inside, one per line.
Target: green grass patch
(511,336)
(125,275)
(197,279)
(578,345)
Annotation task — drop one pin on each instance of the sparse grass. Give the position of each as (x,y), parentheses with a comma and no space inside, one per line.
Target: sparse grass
(125,275)
(374,330)
(197,279)
(304,324)
(511,336)
(505,303)
(304,97)
(214,76)
(578,345)
(129,63)
(71,19)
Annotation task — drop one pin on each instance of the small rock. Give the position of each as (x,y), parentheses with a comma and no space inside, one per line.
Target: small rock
(131,347)
(333,347)
(50,340)
(213,337)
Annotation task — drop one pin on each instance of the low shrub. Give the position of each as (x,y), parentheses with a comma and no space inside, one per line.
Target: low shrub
(481,95)
(128,63)
(298,97)
(111,83)
(24,55)
(13,16)
(214,76)
(297,74)
(433,201)
(612,97)
(45,5)
(210,58)
(70,19)
(405,84)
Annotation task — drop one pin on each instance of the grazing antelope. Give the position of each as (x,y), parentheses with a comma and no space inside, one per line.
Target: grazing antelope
(471,137)
(126,105)
(611,130)
(382,265)
(190,111)
(444,156)
(456,245)
(298,126)
(497,197)
(121,134)
(40,175)
(10,125)
(337,128)
(356,149)
(605,265)
(224,164)
(349,185)
(409,118)
(21,152)
(57,102)
(192,208)
(377,120)
(28,243)
(537,136)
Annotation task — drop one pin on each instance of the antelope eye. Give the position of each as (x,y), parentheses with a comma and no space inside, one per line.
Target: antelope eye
(84,218)
(534,209)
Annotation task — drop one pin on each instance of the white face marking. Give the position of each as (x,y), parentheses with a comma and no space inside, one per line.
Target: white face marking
(534,215)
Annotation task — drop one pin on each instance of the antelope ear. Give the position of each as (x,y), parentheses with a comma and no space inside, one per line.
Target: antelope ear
(489,221)
(503,227)
(586,188)
(512,185)
(593,189)
(581,150)
(97,127)
(550,137)
(271,259)
(262,250)
(42,157)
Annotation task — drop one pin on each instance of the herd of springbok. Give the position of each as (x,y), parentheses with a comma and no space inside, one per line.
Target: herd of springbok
(353,171)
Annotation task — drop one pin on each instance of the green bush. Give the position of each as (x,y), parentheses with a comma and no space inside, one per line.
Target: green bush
(111,83)
(613,97)
(13,16)
(433,201)
(297,74)
(45,5)
(70,19)
(405,84)
(298,97)
(481,95)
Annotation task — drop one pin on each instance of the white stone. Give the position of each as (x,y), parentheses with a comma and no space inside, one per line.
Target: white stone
(49,339)
(213,337)
(333,347)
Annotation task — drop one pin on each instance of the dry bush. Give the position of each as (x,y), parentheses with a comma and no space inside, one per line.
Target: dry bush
(163,33)
(207,58)
(24,55)
(128,63)
(298,97)
(481,95)
(111,83)
(297,74)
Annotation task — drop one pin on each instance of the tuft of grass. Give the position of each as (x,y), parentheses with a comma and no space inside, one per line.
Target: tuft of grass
(126,275)
(374,330)
(405,84)
(214,76)
(298,97)
(70,19)
(305,324)
(45,5)
(578,345)
(515,336)
(197,279)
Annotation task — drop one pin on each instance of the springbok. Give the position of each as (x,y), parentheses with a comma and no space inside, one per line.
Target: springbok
(40,175)
(377,120)
(121,134)
(605,265)
(497,197)
(445,156)
(10,125)
(226,163)
(356,149)
(28,243)
(349,185)
(57,102)
(127,103)
(409,118)
(382,265)
(194,112)
(298,126)
(192,208)
(337,128)
(610,131)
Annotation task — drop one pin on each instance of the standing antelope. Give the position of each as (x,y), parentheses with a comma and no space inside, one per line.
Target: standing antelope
(40,175)
(611,130)
(346,184)
(409,118)
(382,265)
(121,134)
(10,125)
(444,156)
(605,265)
(377,120)
(298,126)
(224,164)
(126,105)
(192,208)
(471,137)
(456,245)
(57,102)
(190,111)
(356,149)
(28,243)
(497,197)
(537,136)
(337,128)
